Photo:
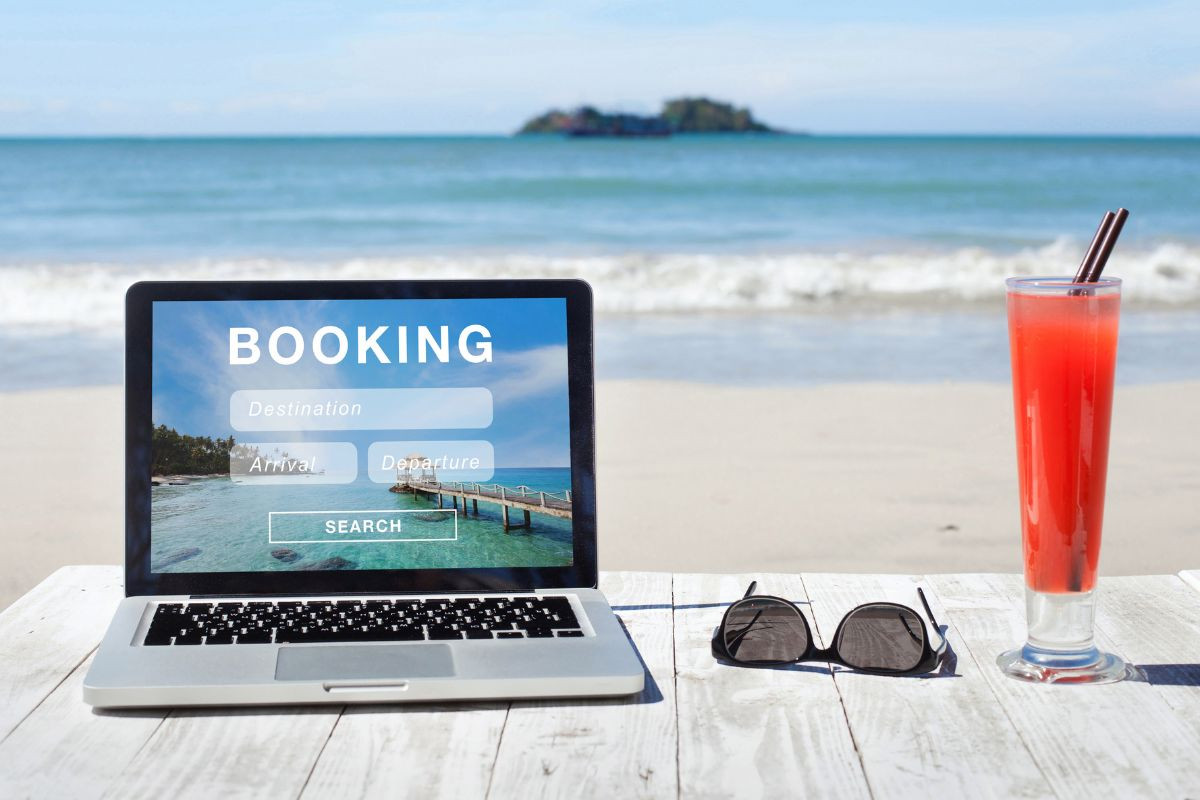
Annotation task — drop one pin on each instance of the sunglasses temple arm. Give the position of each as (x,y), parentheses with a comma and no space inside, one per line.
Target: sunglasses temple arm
(928,610)
(754,585)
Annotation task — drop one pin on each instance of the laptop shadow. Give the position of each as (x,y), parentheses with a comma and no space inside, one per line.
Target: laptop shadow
(669,606)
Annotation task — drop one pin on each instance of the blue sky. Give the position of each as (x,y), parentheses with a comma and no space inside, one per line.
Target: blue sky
(133,66)
(193,379)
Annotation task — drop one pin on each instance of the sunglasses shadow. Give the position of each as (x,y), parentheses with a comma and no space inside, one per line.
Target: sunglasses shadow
(949,665)
(824,670)
(1170,674)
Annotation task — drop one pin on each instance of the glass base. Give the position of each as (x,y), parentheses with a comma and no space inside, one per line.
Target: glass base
(1034,665)
(1060,647)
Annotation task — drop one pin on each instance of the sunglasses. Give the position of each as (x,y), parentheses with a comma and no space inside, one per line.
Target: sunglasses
(880,638)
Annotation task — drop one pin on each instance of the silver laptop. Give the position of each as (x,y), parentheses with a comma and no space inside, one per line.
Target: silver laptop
(363,492)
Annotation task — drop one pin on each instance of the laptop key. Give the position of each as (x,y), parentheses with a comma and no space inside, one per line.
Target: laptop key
(159,637)
(509,635)
(569,634)
(407,635)
(201,609)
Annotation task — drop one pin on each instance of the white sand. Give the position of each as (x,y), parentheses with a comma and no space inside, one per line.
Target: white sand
(857,478)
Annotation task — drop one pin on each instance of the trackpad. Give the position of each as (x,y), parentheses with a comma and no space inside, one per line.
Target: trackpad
(363,662)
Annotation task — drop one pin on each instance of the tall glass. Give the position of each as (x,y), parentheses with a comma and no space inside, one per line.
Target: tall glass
(1063,344)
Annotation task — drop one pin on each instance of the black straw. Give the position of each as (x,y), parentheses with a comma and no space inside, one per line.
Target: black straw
(1106,247)
(1094,248)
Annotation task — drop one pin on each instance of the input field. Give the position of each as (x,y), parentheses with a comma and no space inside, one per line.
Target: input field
(359,409)
(463,460)
(307,463)
(379,526)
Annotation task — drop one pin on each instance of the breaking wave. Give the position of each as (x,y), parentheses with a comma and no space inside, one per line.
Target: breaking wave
(47,297)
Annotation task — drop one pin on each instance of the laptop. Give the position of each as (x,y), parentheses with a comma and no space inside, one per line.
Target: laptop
(359,492)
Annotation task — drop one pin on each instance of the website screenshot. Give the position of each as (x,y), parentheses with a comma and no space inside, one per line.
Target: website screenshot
(360,434)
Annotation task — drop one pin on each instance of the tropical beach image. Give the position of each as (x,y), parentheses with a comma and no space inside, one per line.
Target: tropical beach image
(796,222)
(305,463)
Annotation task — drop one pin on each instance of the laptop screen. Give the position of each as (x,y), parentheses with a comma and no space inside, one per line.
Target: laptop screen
(363,434)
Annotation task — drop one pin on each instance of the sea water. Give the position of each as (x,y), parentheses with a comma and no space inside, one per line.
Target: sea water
(783,258)
(214,525)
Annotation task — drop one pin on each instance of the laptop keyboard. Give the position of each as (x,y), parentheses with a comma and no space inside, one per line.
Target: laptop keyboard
(372,620)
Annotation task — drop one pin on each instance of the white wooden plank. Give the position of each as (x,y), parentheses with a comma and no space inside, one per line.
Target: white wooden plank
(938,736)
(754,732)
(1118,740)
(1155,621)
(48,632)
(228,753)
(419,751)
(1191,577)
(621,747)
(64,749)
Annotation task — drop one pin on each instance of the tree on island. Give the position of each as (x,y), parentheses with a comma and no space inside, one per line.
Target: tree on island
(701,115)
(681,115)
(175,453)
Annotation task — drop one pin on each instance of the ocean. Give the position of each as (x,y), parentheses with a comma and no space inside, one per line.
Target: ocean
(733,259)
(214,525)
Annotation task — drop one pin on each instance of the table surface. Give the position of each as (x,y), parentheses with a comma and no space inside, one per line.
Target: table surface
(699,729)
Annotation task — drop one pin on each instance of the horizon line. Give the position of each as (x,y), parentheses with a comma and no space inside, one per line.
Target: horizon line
(512,135)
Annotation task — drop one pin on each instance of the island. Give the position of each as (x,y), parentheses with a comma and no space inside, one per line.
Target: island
(174,453)
(178,458)
(681,115)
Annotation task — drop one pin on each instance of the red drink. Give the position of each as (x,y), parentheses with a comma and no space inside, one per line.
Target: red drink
(1063,338)
(1064,348)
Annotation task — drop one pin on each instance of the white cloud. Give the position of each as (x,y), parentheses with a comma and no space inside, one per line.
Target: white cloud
(530,373)
(479,67)
(447,71)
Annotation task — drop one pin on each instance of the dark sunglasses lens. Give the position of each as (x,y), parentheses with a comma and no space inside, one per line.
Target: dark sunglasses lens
(882,637)
(764,630)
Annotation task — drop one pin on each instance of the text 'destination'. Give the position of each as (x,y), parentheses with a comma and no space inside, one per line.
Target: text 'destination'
(360,409)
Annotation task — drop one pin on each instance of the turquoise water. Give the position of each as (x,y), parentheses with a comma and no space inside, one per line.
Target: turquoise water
(121,199)
(694,245)
(213,525)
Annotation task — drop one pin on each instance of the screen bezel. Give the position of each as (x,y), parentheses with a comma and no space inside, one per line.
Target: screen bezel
(139,580)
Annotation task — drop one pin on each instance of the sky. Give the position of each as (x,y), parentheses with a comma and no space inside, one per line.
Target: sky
(71,67)
(527,377)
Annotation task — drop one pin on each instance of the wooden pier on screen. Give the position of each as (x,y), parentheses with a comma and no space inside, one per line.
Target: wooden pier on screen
(508,498)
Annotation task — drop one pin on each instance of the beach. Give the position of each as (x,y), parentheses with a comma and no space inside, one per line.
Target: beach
(800,342)
(854,477)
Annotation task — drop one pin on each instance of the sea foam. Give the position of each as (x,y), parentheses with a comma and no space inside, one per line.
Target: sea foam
(58,297)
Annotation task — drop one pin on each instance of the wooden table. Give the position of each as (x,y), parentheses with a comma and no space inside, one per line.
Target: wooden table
(699,730)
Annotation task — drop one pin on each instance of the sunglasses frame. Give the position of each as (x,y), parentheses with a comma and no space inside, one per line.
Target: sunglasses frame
(930,656)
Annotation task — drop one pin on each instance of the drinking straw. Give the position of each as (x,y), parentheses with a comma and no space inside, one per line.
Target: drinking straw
(1106,221)
(1089,272)
(1106,247)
